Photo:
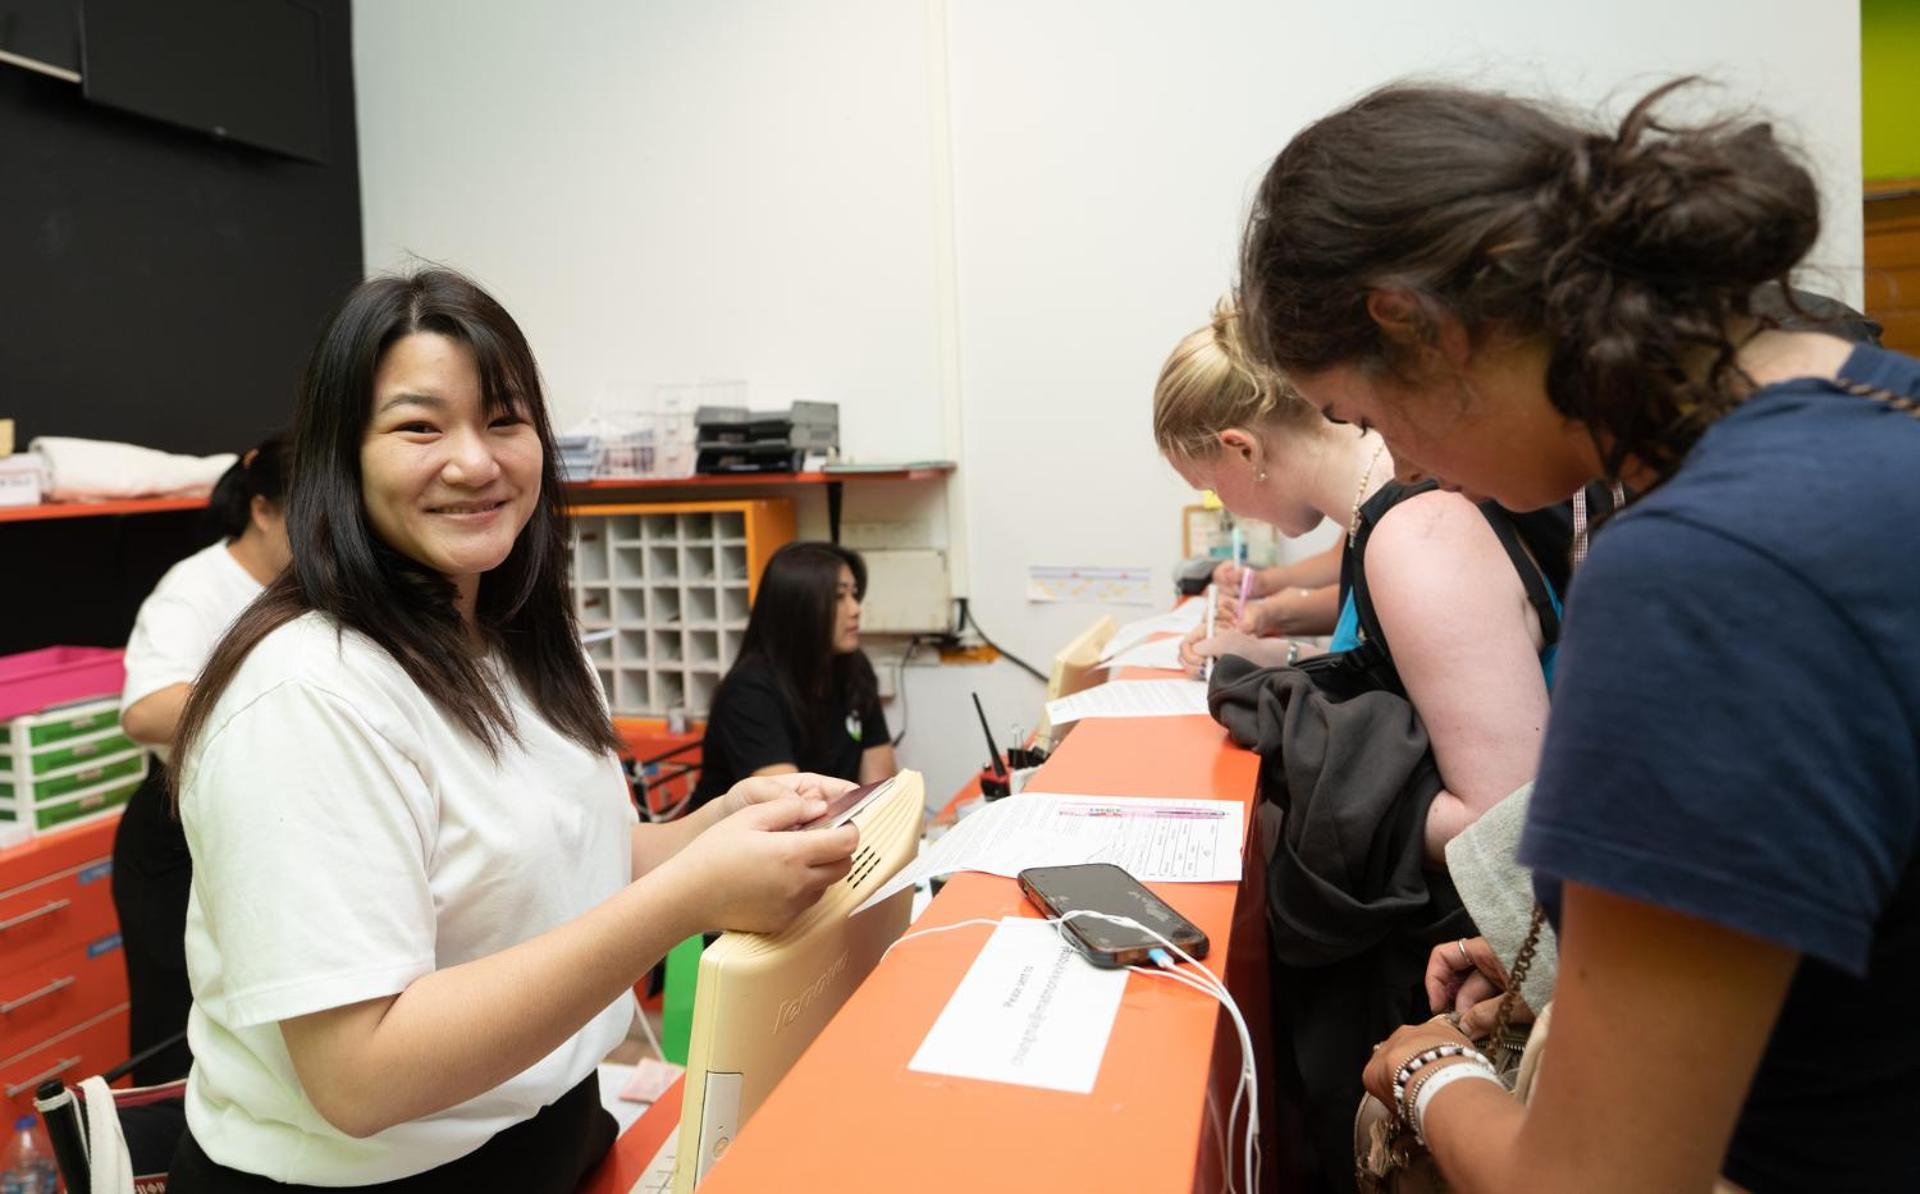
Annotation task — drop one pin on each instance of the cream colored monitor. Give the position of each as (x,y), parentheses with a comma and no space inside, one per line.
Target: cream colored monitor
(1076,664)
(761,999)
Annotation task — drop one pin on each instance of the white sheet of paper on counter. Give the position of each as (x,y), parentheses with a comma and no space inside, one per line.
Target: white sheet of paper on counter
(1030,1010)
(1157,840)
(1162,653)
(1132,698)
(1178,620)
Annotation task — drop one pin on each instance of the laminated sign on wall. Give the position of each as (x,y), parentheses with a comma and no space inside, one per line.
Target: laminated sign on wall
(1110,586)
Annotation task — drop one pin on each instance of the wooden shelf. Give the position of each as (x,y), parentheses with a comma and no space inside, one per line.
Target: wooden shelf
(1875,190)
(735,481)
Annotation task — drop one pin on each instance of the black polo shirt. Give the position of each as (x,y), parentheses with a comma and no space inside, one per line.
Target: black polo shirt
(752,725)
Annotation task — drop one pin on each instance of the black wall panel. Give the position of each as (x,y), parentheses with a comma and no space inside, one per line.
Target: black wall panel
(156,286)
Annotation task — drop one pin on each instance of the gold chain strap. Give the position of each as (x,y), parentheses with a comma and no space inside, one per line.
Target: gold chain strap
(1510,998)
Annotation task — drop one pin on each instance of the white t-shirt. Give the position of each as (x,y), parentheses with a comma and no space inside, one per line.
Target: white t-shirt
(347,839)
(182,620)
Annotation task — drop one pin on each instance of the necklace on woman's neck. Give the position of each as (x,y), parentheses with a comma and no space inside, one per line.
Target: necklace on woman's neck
(1580,519)
(1359,495)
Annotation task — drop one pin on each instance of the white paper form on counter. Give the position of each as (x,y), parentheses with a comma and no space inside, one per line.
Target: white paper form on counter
(1030,1010)
(1157,840)
(1161,653)
(1132,698)
(1178,620)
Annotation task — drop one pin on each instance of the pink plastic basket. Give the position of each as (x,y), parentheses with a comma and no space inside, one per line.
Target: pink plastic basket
(34,680)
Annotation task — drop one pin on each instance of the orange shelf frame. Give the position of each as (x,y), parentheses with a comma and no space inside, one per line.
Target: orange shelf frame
(91,509)
(743,480)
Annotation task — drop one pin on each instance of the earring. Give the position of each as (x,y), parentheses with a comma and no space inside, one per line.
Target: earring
(1262,477)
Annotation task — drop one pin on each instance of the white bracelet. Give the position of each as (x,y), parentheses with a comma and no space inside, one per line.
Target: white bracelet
(1439,1079)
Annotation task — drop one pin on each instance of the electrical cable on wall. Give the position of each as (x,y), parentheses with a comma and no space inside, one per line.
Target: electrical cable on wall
(900,687)
(967,619)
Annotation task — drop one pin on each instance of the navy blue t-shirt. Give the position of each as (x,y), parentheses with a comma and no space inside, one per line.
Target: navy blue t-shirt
(1736,736)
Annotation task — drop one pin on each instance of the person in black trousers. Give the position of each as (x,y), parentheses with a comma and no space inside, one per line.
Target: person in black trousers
(176,630)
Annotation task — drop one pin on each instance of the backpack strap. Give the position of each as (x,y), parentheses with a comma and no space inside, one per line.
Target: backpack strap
(1535,583)
(1372,651)
(1353,572)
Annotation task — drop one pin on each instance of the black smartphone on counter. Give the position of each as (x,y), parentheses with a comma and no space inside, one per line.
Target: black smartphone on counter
(1104,887)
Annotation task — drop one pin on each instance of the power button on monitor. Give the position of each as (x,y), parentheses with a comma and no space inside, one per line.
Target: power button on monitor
(719,1119)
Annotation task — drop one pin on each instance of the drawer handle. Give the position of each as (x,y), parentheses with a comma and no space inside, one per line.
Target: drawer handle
(51,907)
(17,1089)
(14,1005)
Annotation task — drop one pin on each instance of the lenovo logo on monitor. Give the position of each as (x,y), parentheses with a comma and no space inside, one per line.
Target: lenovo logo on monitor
(790,1009)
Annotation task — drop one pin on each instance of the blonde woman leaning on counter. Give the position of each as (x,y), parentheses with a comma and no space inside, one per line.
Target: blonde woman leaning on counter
(1463,637)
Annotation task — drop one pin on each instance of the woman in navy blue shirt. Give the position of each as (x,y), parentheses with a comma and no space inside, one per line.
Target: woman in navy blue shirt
(1725,822)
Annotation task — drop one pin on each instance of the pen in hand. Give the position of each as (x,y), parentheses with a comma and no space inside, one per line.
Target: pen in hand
(1213,612)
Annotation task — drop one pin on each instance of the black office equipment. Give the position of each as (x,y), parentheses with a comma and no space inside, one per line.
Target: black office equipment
(733,439)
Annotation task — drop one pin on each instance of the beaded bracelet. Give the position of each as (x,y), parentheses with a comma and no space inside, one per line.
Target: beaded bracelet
(1427,1057)
(1422,1092)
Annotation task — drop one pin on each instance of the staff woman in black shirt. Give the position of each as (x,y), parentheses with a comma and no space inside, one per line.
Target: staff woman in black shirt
(802,696)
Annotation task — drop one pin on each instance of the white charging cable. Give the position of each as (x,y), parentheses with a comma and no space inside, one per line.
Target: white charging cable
(1249,1085)
(1247,1090)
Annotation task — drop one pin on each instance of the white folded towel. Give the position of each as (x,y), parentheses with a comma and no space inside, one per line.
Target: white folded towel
(108,1161)
(101,470)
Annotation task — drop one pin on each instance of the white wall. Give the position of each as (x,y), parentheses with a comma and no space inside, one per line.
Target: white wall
(672,190)
(679,189)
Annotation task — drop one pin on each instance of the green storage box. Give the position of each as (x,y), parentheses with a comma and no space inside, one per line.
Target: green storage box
(67,766)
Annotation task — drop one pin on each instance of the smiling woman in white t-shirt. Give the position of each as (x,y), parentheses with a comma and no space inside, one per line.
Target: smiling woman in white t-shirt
(177,628)
(421,896)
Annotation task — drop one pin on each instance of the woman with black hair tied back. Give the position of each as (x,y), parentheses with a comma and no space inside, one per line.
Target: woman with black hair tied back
(421,895)
(802,696)
(1726,822)
(174,633)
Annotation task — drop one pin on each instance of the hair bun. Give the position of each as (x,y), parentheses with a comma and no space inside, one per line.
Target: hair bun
(1718,205)
(1229,330)
(1226,320)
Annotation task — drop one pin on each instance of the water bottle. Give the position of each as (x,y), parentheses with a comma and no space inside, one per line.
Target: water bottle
(29,1166)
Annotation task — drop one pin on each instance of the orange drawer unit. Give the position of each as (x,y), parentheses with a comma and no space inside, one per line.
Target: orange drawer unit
(63,981)
(80,1051)
(44,999)
(56,892)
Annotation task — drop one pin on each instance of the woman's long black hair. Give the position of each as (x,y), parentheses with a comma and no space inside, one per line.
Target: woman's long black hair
(341,568)
(259,473)
(791,632)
